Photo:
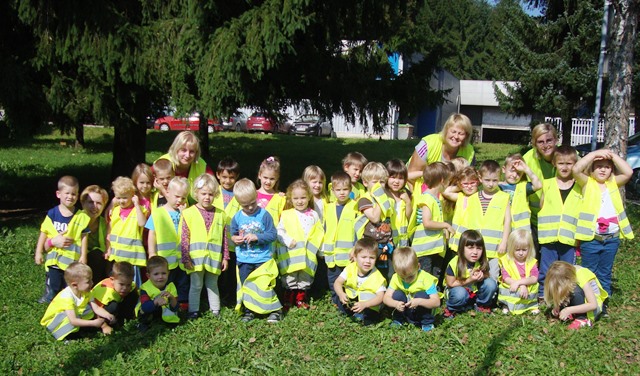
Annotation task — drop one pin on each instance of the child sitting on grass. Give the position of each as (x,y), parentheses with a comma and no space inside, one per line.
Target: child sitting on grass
(117,295)
(157,295)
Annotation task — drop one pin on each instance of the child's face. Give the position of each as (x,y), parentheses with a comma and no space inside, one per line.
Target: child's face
(316,185)
(468,186)
(489,181)
(409,276)
(511,175)
(93,204)
(122,285)
(158,276)
(268,179)
(366,260)
(369,184)
(564,164)
(144,185)
(341,191)
(205,197)
(248,205)
(176,197)
(601,170)
(227,179)
(84,284)
(520,254)
(353,170)
(472,253)
(163,178)
(300,199)
(396,183)
(68,196)
(123,199)
(186,154)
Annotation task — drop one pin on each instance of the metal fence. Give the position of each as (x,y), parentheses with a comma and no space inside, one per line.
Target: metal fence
(581,129)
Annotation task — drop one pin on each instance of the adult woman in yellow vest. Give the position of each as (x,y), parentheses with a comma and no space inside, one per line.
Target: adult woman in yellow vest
(602,220)
(94,199)
(518,290)
(453,141)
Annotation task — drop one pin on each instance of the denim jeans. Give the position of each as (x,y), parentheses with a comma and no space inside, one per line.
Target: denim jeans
(459,300)
(332,275)
(550,253)
(417,316)
(598,256)
(181,280)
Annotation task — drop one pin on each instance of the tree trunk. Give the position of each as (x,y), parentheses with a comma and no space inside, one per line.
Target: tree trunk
(621,44)
(79,135)
(566,129)
(129,146)
(204,137)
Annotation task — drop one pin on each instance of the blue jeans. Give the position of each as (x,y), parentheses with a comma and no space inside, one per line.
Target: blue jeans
(598,256)
(181,280)
(244,269)
(417,316)
(550,253)
(332,275)
(459,300)
(55,282)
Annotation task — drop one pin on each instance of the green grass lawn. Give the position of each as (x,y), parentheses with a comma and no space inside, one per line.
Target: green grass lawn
(317,341)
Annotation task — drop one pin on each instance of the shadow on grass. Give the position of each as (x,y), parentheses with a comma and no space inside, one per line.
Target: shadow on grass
(494,348)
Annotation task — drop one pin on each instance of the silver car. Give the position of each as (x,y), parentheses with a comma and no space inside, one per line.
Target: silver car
(312,125)
(236,122)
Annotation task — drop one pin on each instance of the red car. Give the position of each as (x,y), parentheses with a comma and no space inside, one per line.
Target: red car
(191,123)
(261,121)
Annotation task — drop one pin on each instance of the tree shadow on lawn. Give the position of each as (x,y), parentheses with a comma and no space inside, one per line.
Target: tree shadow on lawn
(494,349)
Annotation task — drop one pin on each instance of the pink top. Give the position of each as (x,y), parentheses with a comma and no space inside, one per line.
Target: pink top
(263,199)
(521,271)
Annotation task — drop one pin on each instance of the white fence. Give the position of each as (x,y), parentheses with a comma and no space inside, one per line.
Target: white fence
(581,129)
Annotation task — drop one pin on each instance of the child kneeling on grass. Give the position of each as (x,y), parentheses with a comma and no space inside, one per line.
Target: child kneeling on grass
(158,296)
(117,294)
(69,312)
(412,292)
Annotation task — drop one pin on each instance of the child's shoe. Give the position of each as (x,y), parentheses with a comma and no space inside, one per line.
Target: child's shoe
(579,323)
(274,317)
(535,312)
(215,313)
(248,316)
(193,315)
(301,299)
(483,309)
(427,328)
(505,311)
(289,297)
(447,314)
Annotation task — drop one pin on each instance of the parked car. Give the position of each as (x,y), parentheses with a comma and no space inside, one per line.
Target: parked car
(312,125)
(236,122)
(189,123)
(261,121)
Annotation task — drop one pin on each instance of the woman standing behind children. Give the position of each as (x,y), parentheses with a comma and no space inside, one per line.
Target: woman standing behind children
(519,282)
(300,234)
(202,243)
(269,198)
(467,277)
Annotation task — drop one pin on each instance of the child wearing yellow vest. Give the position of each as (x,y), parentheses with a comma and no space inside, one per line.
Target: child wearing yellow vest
(518,292)
(574,293)
(412,292)
(164,239)
(63,237)
(352,164)
(317,181)
(163,173)
(269,198)
(157,296)
(396,188)
(143,178)
(300,236)
(124,229)
(602,220)
(517,186)
(117,295)
(360,287)
(70,312)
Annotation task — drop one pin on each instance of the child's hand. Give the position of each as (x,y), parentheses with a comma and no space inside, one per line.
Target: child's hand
(448,231)
(523,292)
(39,259)
(237,239)
(225,264)
(502,248)
(188,264)
(135,200)
(107,253)
(514,286)
(358,307)
(400,306)
(106,330)
(602,154)
(160,300)
(97,322)
(292,244)
(61,241)
(343,298)
(412,304)
(250,238)
(477,275)
(554,312)
(565,314)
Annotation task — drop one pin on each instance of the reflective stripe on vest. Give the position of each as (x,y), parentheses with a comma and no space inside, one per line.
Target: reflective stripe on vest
(557,220)
(126,239)
(167,314)
(583,276)
(205,248)
(453,264)
(63,257)
(340,236)
(167,240)
(427,242)
(516,304)
(368,289)
(257,293)
(55,318)
(302,257)
(520,212)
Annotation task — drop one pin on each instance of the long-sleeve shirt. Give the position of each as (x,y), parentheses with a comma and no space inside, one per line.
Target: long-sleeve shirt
(186,235)
(261,224)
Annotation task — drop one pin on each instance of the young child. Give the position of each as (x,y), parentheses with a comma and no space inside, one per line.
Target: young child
(157,295)
(269,198)
(352,164)
(412,292)
(401,214)
(124,229)
(163,172)
(316,180)
(467,277)
(164,239)
(116,294)
(602,220)
(560,202)
(340,229)
(63,237)
(203,238)
(253,233)
(427,226)
(518,291)
(574,293)
(360,287)
(143,180)
(300,234)
(514,170)
(69,311)
(487,211)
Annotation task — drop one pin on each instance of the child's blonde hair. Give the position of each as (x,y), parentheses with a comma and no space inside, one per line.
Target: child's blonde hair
(179,182)
(375,171)
(271,163)
(405,261)
(436,173)
(183,138)
(245,190)
(122,269)
(521,239)
(84,196)
(163,166)
(461,121)
(68,181)
(460,163)
(466,173)
(299,184)
(365,244)
(354,158)
(76,272)
(469,238)
(315,172)
(512,158)
(202,181)
(559,283)
(123,185)
(141,169)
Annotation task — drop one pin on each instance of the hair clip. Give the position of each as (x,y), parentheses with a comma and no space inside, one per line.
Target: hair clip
(270,159)
(200,183)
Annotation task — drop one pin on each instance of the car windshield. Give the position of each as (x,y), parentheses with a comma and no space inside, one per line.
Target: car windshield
(258,114)
(308,118)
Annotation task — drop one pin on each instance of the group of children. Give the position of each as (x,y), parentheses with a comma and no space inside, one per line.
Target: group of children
(456,234)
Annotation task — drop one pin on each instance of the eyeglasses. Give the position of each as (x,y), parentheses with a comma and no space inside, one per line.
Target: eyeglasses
(551,141)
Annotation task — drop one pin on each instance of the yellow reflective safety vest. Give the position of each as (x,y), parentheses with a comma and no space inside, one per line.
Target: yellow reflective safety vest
(426,242)
(423,282)
(512,300)
(368,289)
(400,224)
(543,170)
(520,211)
(167,239)
(126,239)
(302,257)
(231,209)
(275,207)
(104,292)
(590,210)
(583,276)
(63,257)
(167,314)
(453,264)
(340,235)
(468,216)
(434,149)
(55,318)
(357,189)
(257,293)
(205,248)
(557,220)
